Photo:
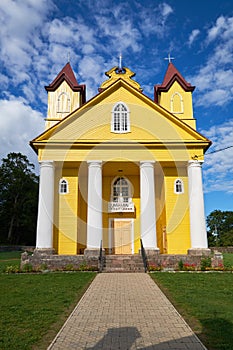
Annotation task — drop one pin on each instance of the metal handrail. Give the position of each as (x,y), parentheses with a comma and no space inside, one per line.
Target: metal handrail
(101,260)
(144,257)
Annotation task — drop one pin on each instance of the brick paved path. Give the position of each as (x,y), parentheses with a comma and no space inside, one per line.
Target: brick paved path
(125,311)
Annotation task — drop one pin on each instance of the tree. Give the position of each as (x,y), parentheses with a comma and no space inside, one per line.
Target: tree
(220,228)
(18,200)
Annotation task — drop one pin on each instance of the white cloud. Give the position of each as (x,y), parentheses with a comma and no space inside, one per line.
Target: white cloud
(153,20)
(166,9)
(217,97)
(33,49)
(217,29)
(120,32)
(214,80)
(193,36)
(19,124)
(218,166)
(19,27)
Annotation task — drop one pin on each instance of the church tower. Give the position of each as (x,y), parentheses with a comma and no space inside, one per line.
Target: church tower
(175,95)
(64,96)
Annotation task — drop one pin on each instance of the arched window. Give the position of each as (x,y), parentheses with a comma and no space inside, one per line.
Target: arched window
(177,105)
(63,103)
(63,186)
(120,118)
(121,190)
(179,186)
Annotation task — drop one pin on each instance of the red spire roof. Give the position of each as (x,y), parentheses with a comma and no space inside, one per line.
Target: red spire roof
(171,75)
(66,74)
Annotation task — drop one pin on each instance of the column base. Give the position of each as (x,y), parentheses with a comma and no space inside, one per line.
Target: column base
(199,251)
(152,251)
(89,252)
(44,251)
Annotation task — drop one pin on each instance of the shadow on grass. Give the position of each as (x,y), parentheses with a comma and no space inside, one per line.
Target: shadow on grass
(217,333)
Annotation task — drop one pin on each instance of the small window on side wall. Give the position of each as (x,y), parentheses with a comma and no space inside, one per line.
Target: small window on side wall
(63,186)
(178,186)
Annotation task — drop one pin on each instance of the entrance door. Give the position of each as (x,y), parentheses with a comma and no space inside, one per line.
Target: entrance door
(122,236)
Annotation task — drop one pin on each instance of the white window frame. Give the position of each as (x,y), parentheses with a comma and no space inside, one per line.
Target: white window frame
(122,126)
(63,182)
(125,199)
(181,184)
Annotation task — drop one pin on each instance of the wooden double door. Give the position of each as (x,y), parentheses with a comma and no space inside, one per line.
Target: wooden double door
(122,236)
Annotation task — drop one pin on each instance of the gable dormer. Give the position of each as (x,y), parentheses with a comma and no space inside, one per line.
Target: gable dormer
(175,95)
(64,96)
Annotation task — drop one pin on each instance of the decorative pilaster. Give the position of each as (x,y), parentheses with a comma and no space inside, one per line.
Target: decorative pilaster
(198,232)
(44,235)
(147,200)
(94,209)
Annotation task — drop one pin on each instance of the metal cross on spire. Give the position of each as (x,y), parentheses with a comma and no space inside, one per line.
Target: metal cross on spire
(120,61)
(169,58)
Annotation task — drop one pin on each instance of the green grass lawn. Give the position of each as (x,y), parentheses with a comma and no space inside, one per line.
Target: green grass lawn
(228,260)
(206,302)
(34,306)
(9,259)
(10,255)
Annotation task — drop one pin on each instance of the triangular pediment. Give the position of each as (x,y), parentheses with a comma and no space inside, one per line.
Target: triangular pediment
(150,123)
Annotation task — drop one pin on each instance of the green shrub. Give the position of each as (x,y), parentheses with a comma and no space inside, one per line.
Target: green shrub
(69,267)
(154,267)
(12,269)
(27,268)
(205,264)
(181,265)
(83,266)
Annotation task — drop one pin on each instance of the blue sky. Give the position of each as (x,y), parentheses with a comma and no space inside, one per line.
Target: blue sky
(37,36)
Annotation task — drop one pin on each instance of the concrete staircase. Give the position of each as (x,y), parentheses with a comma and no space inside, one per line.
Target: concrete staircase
(123,263)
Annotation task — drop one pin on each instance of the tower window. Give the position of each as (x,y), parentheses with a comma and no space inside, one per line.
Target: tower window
(177,105)
(63,186)
(63,103)
(120,118)
(179,186)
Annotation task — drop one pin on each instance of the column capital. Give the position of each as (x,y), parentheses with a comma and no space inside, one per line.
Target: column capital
(46,163)
(195,163)
(147,163)
(94,163)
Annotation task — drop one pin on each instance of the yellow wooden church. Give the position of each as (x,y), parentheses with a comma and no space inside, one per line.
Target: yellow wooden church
(120,167)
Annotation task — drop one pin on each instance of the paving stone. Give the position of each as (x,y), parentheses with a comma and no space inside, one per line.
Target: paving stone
(125,311)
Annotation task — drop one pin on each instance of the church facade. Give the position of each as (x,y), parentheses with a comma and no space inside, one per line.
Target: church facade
(120,168)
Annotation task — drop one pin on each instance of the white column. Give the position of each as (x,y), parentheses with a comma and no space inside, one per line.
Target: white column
(44,236)
(94,209)
(147,200)
(196,206)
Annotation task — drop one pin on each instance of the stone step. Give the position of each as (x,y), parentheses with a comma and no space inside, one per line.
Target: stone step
(123,263)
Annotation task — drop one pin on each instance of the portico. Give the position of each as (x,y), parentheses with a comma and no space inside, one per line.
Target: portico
(119,221)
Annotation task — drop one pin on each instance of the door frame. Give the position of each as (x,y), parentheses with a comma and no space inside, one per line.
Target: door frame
(111,232)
